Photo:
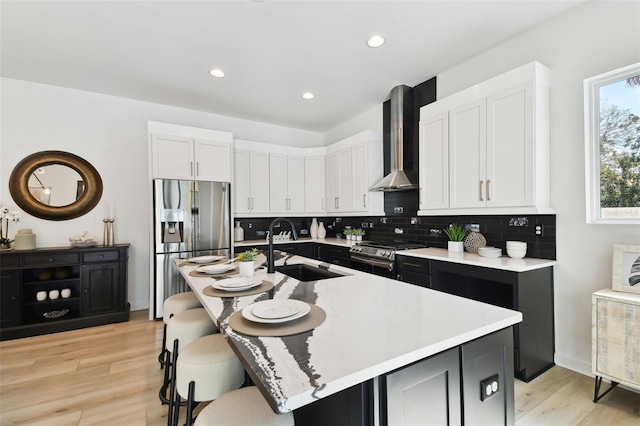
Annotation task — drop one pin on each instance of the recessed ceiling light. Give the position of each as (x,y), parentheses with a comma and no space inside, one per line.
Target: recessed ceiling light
(217,72)
(375,41)
(308,95)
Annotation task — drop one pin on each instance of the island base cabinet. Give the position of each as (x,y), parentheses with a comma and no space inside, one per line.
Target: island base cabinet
(450,388)
(427,392)
(483,362)
(350,407)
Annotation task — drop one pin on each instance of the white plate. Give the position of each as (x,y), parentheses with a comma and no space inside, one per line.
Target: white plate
(238,282)
(277,309)
(215,269)
(217,286)
(248,314)
(204,259)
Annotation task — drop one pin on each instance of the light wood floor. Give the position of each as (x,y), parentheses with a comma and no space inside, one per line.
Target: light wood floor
(109,375)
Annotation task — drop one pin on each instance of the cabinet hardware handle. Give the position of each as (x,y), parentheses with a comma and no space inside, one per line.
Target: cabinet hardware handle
(399,277)
(86,290)
(338,202)
(488,196)
(197,168)
(335,202)
(364,200)
(51,259)
(322,204)
(480,192)
(191,167)
(251,203)
(415,265)
(248,203)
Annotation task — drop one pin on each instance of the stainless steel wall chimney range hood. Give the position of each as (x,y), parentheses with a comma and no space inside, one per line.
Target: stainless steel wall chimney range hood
(399,179)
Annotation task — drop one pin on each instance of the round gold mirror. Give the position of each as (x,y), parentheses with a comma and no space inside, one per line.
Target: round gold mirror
(55,185)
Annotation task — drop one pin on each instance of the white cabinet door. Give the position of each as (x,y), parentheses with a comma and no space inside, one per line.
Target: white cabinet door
(467,150)
(360,175)
(241,181)
(510,150)
(172,157)
(212,160)
(251,182)
(333,182)
(295,184)
(434,162)
(278,196)
(345,181)
(314,185)
(259,171)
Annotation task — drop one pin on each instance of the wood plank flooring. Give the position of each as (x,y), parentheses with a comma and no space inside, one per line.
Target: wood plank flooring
(109,375)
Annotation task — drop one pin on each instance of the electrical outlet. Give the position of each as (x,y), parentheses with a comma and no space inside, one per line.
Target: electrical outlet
(489,387)
(540,230)
(414,220)
(435,232)
(398,209)
(370,224)
(383,220)
(473,227)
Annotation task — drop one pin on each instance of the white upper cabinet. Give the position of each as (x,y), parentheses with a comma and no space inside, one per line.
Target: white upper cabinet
(339,181)
(368,169)
(286,184)
(250,184)
(496,138)
(314,184)
(187,158)
(434,162)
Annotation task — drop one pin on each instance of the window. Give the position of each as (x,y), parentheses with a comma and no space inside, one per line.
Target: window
(612,135)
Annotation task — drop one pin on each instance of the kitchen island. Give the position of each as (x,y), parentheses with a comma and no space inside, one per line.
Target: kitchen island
(373,326)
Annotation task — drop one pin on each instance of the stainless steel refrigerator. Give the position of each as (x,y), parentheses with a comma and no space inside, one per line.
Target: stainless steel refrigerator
(191,218)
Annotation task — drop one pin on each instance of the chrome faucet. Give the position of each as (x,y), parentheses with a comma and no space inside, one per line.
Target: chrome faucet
(271,266)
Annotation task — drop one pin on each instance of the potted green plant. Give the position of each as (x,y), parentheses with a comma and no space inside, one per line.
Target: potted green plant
(245,262)
(456,234)
(358,233)
(348,233)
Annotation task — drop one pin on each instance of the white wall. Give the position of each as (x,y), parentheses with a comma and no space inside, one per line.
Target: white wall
(368,120)
(591,39)
(110,133)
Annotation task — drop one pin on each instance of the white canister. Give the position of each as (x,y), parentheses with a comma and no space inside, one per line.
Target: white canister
(54,294)
(246,269)
(65,293)
(24,240)
(41,295)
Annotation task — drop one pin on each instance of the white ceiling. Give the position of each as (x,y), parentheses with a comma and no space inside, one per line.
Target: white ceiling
(271,51)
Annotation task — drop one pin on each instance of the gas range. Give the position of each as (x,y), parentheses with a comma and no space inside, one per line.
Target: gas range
(379,256)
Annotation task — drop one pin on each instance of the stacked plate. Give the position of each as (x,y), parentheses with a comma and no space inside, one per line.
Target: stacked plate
(216,269)
(489,251)
(236,284)
(204,259)
(276,311)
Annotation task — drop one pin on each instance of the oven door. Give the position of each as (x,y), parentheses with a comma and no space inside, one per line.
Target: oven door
(380,267)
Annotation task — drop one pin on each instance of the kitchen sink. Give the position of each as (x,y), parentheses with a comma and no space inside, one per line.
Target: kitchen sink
(303,272)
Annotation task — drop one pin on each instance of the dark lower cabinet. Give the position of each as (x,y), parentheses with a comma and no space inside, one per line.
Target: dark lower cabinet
(350,407)
(450,388)
(427,392)
(530,292)
(57,289)
(333,254)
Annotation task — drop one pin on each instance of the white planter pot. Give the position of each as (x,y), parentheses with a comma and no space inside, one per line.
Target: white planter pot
(349,237)
(455,246)
(246,269)
(358,237)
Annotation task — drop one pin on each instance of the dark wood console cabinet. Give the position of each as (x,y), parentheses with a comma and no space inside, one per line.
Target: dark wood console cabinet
(96,278)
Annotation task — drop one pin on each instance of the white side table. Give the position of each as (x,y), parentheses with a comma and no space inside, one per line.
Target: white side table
(615,339)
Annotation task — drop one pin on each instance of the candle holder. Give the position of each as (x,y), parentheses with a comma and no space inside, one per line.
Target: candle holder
(108,237)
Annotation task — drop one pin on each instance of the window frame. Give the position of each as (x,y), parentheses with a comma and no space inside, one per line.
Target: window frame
(592,87)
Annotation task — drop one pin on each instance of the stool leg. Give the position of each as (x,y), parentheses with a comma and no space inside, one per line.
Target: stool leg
(172,387)
(165,382)
(190,403)
(163,354)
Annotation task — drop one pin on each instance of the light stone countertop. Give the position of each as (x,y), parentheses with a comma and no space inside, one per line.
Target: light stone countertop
(342,242)
(373,326)
(505,263)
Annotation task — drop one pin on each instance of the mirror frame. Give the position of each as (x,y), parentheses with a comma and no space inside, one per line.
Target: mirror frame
(19,185)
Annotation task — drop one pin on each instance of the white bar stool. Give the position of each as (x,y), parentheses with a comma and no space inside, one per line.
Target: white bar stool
(182,329)
(245,407)
(171,306)
(206,369)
